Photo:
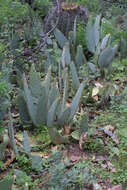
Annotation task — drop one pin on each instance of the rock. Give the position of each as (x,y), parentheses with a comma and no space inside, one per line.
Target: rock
(68,13)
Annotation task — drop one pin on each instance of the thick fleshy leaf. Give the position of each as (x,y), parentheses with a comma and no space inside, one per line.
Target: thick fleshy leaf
(35,83)
(23,111)
(92,66)
(11,134)
(64,116)
(61,39)
(47,81)
(6,184)
(90,37)
(53,94)
(60,77)
(80,58)
(65,79)
(66,57)
(20,177)
(41,108)
(26,143)
(97,29)
(75,80)
(76,100)
(106,57)
(105,41)
(36,161)
(49,61)
(93,34)
(29,101)
(52,113)
(75,29)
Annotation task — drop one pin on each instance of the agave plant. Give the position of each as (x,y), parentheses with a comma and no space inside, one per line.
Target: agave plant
(102,49)
(73,66)
(41,103)
(66,113)
(7,139)
(5,88)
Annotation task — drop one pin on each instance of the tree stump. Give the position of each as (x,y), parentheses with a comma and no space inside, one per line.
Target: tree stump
(68,13)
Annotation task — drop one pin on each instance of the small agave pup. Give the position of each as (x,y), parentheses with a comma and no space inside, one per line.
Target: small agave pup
(41,103)
(8,139)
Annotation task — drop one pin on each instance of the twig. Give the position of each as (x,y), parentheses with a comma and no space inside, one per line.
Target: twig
(45,37)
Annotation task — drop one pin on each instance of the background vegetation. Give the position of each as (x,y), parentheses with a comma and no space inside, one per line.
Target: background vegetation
(63,96)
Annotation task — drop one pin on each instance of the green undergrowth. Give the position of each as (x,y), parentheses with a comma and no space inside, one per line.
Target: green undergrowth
(73,107)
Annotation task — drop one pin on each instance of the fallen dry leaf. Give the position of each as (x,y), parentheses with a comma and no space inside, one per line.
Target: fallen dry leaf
(9,161)
(112,135)
(95,91)
(109,127)
(97,84)
(116,187)
(110,167)
(67,129)
(75,158)
(96,98)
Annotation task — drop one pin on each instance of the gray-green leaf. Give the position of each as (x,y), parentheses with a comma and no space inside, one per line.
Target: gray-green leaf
(29,101)
(52,113)
(61,39)
(76,100)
